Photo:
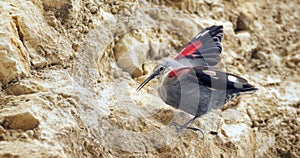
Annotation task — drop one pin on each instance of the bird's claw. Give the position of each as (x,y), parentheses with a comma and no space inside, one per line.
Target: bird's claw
(213,133)
(197,129)
(179,128)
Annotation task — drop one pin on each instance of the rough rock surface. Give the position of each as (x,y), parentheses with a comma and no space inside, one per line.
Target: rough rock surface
(69,69)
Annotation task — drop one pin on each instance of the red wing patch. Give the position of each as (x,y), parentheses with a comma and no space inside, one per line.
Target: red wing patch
(178,72)
(189,49)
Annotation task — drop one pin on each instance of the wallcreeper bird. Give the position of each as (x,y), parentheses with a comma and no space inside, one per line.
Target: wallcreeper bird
(192,83)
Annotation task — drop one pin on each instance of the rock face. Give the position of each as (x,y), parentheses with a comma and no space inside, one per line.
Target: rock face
(69,69)
(131,53)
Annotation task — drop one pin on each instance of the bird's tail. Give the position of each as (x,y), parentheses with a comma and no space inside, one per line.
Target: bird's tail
(247,89)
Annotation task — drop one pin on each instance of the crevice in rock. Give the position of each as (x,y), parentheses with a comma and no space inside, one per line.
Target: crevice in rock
(20,34)
(9,83)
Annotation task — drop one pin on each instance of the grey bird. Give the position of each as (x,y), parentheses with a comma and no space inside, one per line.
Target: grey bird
(191,82)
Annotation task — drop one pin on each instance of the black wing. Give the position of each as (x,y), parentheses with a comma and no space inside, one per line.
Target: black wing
(204,49)
(214,79)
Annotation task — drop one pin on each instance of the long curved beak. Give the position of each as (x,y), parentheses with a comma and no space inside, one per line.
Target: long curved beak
(146,81)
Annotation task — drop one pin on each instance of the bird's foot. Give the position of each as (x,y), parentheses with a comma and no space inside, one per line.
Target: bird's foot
(180,128)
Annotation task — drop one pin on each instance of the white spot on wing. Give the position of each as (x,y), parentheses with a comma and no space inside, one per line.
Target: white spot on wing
(232,78)
(201,34)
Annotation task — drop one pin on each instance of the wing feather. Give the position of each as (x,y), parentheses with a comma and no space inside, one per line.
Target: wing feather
(202,48)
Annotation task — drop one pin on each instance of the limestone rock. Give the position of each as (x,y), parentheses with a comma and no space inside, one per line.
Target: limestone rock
(131,52)
(28,150)
(28,38)
(24,87)
(154,49)
(24,121)
(42,41)
(14,57)
(57,4)
(185,27)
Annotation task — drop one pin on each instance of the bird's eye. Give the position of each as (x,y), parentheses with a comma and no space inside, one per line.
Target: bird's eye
(161,68)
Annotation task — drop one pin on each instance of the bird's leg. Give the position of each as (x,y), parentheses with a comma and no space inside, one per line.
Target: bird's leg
(179,128)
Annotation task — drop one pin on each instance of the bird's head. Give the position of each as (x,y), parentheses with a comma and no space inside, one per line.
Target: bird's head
(160,69)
